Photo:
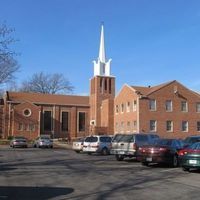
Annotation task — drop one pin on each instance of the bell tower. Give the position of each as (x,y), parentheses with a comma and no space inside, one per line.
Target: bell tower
(102,94)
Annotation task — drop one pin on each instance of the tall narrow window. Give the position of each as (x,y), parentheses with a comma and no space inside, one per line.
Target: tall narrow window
(153,125)
(134,125)
(47,121)
(110,89)
(184,106)
(184,126)
(152,104)
(134,105)
(169,126)
(105,84)
(168,105)
(20,127)
(116,109)
(128,107)
(81,121)
(198,107)
(198,126)
(122,108)
(65,121)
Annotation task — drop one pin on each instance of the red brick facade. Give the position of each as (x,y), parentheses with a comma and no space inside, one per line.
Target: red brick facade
(175,111)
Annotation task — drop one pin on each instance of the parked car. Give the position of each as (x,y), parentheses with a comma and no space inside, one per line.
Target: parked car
(190,157)
(163,151)
(77,145)
(127,145)
(191,140)
(19,141)
(97,144)
(43,141)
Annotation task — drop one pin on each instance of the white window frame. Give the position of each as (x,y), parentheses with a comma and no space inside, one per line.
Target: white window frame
(184,104)
(198,107)
(153,125)
(183,126)
(170,105)
(128,106)
(171,125)
(134,105)
(152,105)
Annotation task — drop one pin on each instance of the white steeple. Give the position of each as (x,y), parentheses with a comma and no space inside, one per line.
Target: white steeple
(102,54)
(101,67)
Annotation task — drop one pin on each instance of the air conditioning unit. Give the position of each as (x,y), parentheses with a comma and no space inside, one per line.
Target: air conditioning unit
(92,122)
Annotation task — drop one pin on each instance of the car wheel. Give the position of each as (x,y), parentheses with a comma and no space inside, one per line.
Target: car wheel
(145,163)
(175,161)
(119,157)
(186,169)
(77,151)
(104,151)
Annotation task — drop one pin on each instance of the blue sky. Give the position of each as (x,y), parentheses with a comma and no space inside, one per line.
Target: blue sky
(150,42)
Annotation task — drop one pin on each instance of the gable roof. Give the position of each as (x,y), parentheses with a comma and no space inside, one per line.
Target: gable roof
(38,98)
(149,90)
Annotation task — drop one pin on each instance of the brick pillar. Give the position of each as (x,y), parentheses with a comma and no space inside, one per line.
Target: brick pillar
(73,123)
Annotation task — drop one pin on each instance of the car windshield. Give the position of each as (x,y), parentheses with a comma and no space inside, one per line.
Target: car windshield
(191,140)
(165,142)
(91,139)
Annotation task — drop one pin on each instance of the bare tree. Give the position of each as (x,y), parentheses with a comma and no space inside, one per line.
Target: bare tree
(8,64)
(47,84)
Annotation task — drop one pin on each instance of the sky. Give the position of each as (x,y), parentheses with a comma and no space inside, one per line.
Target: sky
(150,42)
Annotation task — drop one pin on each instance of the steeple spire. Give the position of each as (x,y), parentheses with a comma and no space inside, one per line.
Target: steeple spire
(102,55)
(101,66)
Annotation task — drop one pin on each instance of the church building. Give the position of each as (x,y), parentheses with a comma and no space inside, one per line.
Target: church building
(170,110)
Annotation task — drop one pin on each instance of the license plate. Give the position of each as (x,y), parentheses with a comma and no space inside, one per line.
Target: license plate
(192,162)
(149,159)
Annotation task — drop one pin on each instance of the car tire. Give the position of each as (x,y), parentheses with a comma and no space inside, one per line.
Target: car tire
(145,163)
(119,157)
(186,169)
(77,151)
(104,151)
(175,161)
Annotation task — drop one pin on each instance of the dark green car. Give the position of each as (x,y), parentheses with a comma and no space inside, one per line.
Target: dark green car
(191,157)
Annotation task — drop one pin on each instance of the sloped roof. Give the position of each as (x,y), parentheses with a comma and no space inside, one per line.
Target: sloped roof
(149,90)
(38,98)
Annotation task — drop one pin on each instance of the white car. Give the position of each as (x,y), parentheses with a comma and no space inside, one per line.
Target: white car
(97,144)
(77,145)
(43,141)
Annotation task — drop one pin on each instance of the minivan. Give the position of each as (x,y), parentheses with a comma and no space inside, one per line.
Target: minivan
(97,144)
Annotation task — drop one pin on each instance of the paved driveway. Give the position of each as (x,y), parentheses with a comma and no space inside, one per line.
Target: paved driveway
(63,174)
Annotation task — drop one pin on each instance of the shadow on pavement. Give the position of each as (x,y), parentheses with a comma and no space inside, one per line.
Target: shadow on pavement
(32,193)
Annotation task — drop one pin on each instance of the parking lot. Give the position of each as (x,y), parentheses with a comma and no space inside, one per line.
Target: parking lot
(63,174)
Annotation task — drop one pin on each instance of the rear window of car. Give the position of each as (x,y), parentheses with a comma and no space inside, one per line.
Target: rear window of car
(117,138)
(91,139)
(127,138)
(105,139)
(191,140)
(141,138)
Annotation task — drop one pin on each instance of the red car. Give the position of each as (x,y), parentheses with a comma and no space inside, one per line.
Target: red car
(163,151)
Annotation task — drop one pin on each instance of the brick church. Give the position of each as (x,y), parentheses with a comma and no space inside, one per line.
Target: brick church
(169,110)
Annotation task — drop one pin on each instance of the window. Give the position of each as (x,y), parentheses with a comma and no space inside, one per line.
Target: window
(128,126)
(198,126)
(116,109)
(122,126)
(134,105)
(198,107)
(122,108)
(153,125)
(81,121)
(47,116)
(168,105)
(128,107)
(65,122)
(184,126)
(31,127)
(20,127)
(152,104)
(184,106)
(134,125)
(27,112)
(169,126)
